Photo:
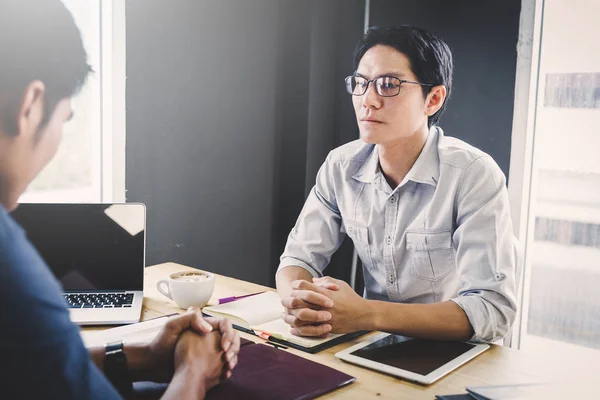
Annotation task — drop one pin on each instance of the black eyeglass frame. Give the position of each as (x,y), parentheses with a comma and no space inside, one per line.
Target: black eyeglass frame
(348,81)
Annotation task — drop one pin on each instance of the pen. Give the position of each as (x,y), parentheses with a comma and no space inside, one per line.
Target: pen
(234,298)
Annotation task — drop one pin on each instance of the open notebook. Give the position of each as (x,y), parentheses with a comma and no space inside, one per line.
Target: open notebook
(261,315)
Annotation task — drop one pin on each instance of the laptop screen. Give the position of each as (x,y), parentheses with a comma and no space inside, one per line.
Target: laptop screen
(89,247)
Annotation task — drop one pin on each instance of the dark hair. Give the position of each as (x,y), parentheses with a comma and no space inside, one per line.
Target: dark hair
(430,58)
(38,41)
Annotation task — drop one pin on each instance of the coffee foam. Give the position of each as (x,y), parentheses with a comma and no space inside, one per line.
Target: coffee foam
(191,277)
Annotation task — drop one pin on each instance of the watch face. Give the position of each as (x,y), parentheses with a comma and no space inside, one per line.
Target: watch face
(112,346)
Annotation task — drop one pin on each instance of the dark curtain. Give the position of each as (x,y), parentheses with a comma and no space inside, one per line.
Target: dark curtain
(232,106)
(317,40)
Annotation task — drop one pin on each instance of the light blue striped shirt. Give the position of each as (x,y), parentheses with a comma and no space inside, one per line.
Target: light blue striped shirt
(444,233)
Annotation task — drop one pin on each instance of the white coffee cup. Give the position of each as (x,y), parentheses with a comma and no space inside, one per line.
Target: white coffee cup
(188,288)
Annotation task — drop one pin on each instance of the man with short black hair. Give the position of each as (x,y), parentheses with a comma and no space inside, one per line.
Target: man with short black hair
(42,65)
(428,214)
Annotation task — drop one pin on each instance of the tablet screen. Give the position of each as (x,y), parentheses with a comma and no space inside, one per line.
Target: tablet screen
(418,356)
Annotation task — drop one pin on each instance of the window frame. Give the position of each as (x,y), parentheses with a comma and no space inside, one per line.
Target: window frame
(113,97)
(520,184)
(108,142)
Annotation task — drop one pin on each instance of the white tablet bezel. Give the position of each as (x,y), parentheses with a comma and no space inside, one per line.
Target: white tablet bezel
(402,373)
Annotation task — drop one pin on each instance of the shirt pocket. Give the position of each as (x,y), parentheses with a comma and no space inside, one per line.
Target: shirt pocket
(431,255)
(362,242)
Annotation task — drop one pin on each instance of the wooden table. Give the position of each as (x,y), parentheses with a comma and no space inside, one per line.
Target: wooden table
(497,366)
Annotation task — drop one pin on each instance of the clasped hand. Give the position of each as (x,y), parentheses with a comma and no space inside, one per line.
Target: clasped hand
(208,345)
(323,306)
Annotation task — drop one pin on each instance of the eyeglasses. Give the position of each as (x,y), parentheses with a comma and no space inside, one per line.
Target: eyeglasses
(385,86)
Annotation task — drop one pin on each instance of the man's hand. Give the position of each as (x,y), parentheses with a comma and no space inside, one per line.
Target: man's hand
(161,349)
(199,358)
(308,309)
(348,310)
(230,342)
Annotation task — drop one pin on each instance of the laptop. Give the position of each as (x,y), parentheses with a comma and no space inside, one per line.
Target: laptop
(97,252)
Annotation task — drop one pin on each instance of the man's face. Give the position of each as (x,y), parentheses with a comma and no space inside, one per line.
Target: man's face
(24,155)
(384,120)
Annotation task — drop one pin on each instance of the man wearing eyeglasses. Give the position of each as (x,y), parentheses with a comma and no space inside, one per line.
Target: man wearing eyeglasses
(428,214)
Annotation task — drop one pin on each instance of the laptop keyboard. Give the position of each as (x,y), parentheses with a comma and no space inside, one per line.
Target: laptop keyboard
(99,300)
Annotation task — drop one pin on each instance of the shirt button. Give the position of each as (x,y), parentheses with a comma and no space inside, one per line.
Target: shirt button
(389,240)
(392,199)
(392,280)
(500,277)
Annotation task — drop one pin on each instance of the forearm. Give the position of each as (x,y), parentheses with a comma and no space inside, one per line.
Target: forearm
(440,321)
(287,275)
(138,361)
(186,384)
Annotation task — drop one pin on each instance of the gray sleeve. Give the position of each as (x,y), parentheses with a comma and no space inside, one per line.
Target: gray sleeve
(317,232)
(485,247)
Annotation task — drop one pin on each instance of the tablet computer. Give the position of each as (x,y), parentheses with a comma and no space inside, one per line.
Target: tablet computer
(422,361)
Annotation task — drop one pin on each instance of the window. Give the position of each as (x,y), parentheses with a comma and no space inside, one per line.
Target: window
(89,164)
(574,90)
(560,306)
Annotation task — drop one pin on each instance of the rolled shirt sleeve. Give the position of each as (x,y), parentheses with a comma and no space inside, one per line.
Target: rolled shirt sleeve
(317,233)
(485,251)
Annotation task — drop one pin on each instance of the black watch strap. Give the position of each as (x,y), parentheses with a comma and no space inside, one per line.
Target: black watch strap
(115,368)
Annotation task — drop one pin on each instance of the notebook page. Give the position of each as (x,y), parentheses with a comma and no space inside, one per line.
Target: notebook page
(281,330)
(255,310)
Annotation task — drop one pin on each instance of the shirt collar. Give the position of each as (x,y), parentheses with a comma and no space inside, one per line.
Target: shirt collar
(426,168)
(370,168)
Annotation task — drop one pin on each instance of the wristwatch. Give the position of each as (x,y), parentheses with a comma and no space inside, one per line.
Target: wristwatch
(115,368)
